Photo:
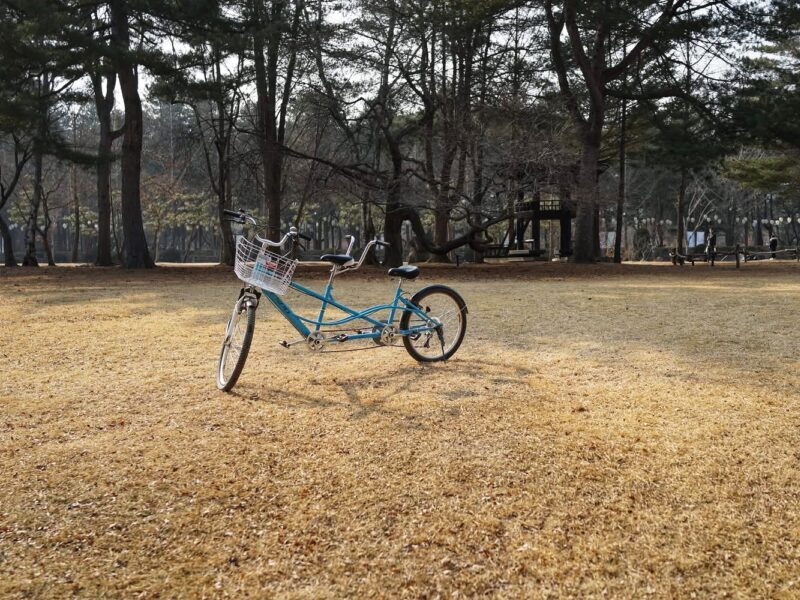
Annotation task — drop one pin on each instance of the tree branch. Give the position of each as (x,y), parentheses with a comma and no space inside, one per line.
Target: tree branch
(555,27)
(647,39)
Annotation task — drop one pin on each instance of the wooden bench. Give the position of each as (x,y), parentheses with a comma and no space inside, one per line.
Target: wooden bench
(692,257)
(764,252)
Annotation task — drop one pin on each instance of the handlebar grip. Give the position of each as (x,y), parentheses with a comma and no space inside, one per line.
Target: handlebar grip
(303,236)
(232,213)
(382,243)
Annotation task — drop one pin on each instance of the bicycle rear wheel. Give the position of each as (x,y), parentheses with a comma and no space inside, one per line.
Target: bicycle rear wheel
(446,314)
(236,345)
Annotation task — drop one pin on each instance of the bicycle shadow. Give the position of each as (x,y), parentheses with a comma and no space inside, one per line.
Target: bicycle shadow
(395,392)
(372,393)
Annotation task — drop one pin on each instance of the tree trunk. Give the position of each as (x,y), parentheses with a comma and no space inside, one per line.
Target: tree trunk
(621,190)
(366,214)
(117,246)
(680,244)
(30,260)
(368,227)
(51,261)
(8,243)
(596,237)
(442,220)
(265,109)
(443,201)
(136,253)
(104,150)
(393,221)
(21,156)
(511,199)
(187,244)
(228,250)
(272,189)
(76,211)
(759,232)
(270,123)
(104,106)
(477,195)
(76,206)
(584,246)
(104,202)
(45,231)
(392,231)
(155,242)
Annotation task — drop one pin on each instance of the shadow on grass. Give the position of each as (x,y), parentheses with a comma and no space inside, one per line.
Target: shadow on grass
(373,393)
(381,393)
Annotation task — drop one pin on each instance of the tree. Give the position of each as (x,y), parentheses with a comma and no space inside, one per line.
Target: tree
(208,78)
(21,153)
(650,31)
(103,78)
(427,57)
(37,71)
(275,26)
(766,107)
(136,254)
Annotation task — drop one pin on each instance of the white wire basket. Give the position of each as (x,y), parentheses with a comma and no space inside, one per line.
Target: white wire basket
(256,265)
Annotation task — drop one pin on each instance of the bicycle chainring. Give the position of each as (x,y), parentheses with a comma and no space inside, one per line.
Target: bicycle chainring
(388,335)
(316,341)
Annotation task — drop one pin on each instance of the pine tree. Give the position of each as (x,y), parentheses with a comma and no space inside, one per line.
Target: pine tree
(591,66)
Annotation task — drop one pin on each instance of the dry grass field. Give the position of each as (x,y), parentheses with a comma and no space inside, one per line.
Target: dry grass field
(603,431)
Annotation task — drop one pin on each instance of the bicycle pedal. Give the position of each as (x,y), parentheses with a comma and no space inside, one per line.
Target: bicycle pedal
(286,344)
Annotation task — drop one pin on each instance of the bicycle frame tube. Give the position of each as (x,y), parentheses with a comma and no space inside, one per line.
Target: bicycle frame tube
(302,324)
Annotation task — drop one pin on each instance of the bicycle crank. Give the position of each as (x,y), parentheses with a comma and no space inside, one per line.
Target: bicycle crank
(388,335)
(316,342)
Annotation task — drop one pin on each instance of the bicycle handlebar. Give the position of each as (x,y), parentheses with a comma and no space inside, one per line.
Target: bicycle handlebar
(239,216)
(352,239)
(242,217)
(354,266)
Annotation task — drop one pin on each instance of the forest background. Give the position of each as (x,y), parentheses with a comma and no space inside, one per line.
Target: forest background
(128,126)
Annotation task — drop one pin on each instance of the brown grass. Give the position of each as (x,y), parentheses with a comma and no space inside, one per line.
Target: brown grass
(618,431)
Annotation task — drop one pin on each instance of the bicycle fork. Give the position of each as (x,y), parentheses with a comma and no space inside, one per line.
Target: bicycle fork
(248,297)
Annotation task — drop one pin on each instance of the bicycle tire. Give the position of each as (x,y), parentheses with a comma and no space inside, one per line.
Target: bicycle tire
(419,299)
(223,383)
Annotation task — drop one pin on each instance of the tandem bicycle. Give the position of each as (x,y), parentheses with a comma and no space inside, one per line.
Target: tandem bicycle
(431,323)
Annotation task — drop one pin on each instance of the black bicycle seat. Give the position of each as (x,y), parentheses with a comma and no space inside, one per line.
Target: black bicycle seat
(406,272)
(337,259)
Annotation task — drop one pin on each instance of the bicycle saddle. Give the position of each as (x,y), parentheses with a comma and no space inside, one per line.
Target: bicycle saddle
(406,272)
(337,259)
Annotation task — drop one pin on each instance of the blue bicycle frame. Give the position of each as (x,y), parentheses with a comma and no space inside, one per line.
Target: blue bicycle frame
(307,327)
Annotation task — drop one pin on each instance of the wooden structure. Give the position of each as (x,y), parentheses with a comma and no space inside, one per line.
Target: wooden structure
(533,212)
(537,192)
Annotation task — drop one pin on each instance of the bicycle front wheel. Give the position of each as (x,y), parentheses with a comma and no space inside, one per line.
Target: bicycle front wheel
(236,345)
(441,330)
